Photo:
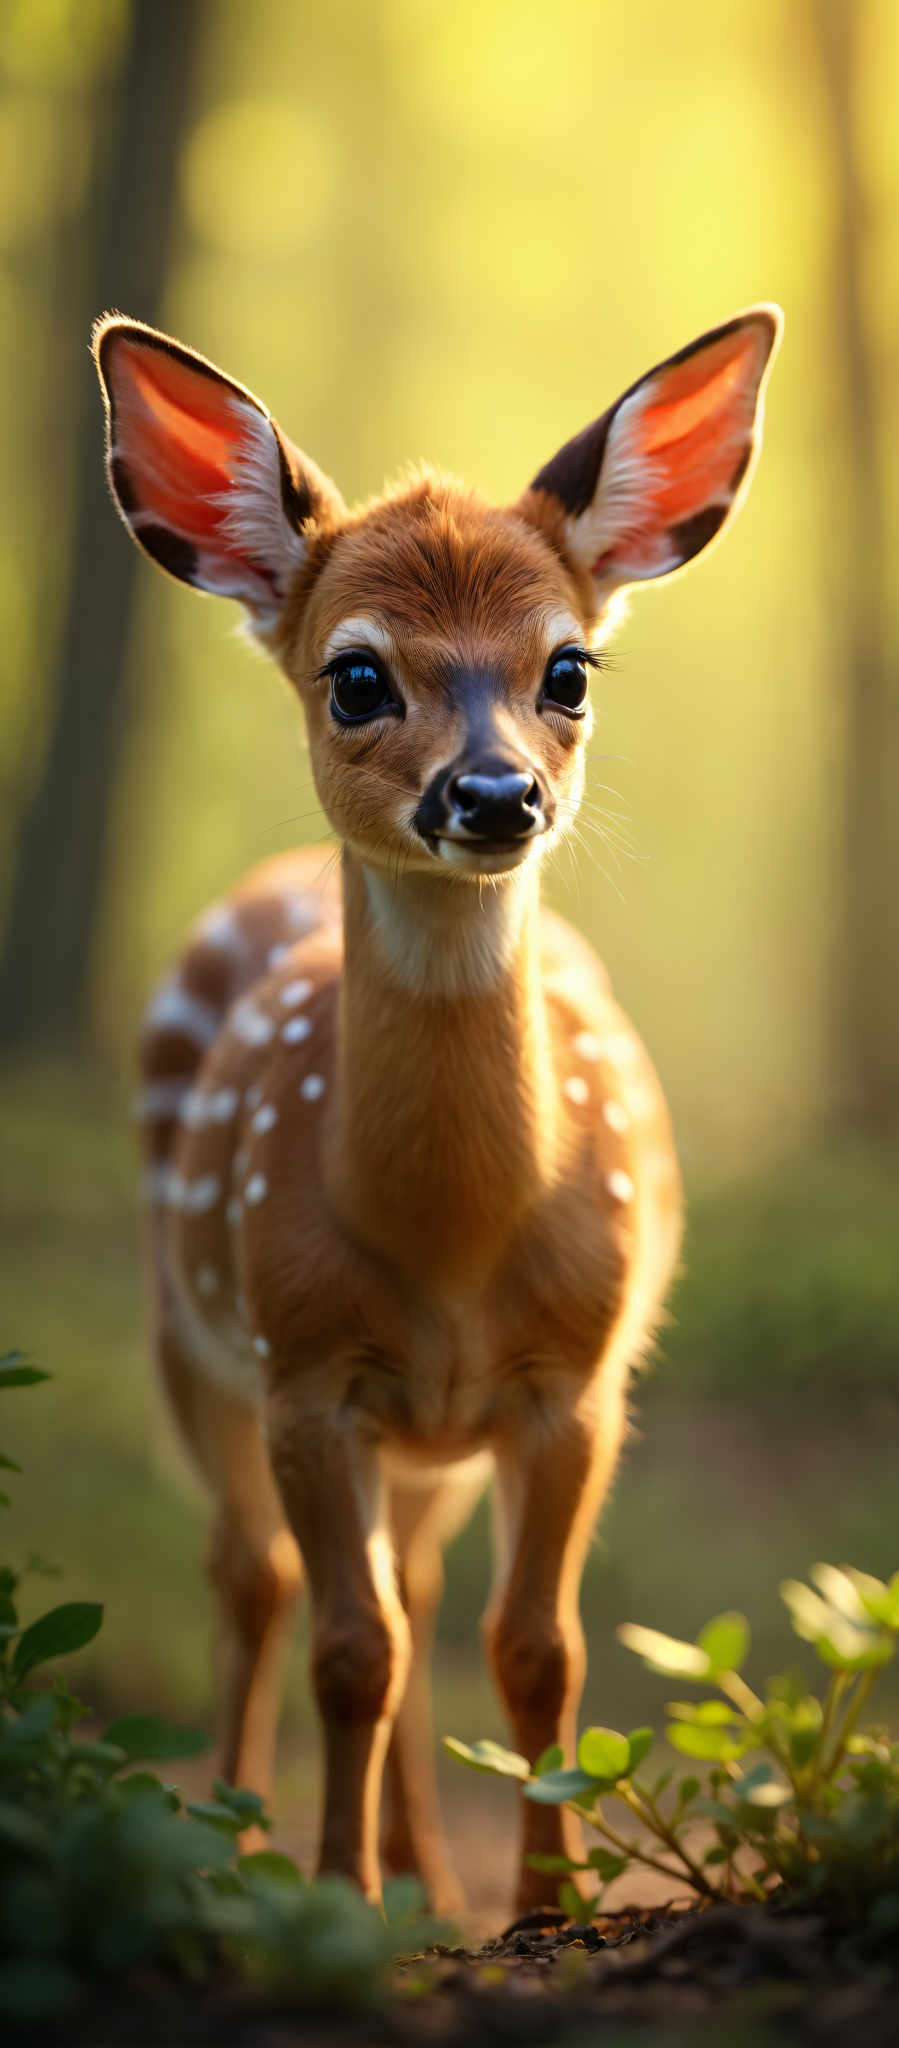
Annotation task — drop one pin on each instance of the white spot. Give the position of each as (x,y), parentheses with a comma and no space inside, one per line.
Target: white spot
(253,1096)
(154,1184)
(312,1088)
(203,1194)
(619,1048)
(588,1046)
(620,1185)
(160,1098)
(223,1105)
(576,1089)
(265,1118)
(176,1189)
(193,1110)
(295,1029)
(616,1117)
(302,913)
(277,955)
(250,1024)
(241,1159)
(207,1280)
(295,992)
(262,1347)
(641,1102)
(220,927)
(234,1211)
(256,1189)
(172,1009)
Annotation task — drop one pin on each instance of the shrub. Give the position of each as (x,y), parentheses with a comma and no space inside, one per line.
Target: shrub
(801,1802)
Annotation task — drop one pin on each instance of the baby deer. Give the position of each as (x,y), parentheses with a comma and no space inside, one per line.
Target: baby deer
(413,1199)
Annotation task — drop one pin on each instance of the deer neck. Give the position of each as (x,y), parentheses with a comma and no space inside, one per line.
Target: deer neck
(443,1129)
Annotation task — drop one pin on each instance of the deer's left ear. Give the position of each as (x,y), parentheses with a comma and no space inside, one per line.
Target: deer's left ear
(647,486)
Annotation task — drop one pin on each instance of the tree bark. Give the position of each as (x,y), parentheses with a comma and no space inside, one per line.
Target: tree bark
(868,959)
(45,966)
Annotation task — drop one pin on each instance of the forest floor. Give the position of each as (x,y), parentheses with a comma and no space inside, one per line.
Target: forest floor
(723,1977)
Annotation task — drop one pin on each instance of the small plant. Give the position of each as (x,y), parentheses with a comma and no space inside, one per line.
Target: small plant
(106,1869)
(800,1802)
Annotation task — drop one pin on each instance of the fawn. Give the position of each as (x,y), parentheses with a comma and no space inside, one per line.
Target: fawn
(413,1197)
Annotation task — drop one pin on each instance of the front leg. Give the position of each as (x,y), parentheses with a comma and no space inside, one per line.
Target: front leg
(326,1465)
(550,1480)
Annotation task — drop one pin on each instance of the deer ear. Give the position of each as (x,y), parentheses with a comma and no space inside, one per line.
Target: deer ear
(647,486)
(204,479)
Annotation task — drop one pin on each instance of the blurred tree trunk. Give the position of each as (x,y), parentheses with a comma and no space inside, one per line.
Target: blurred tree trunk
(130,217)
(868,962)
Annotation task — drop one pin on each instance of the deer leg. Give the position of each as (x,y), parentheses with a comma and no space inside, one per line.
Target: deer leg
(548,1493)
(253,1563)
(330,1482)
(423,1518)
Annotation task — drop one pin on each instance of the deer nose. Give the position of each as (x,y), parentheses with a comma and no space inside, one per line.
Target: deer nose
(503,806)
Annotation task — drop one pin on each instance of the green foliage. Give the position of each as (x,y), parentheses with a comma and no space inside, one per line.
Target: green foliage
(106,1869)
(801,1804)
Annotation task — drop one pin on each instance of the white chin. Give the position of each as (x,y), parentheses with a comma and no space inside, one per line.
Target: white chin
(471,859)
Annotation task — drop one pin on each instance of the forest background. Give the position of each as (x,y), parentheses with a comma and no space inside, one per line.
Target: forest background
(458,233)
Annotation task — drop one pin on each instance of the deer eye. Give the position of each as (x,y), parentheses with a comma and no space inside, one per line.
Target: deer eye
(360,689)
(565,681)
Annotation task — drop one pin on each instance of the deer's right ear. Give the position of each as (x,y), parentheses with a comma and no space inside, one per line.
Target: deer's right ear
(204,479)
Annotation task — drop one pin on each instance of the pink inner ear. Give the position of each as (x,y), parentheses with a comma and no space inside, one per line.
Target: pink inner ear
(696,425)
(693,429)
(178,433)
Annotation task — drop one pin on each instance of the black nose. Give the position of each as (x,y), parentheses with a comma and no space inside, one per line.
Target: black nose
(504,806)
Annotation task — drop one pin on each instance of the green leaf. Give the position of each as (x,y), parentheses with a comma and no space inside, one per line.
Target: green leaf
(32,1722)
(640,1741)
(150,1739)
(687,1791)
(715,1810)
(9,1464)
(143,1785)
(842,1643)
(603,1753)
(556,1786)
(606,1865)
(550,1759)
(702,1742)
(215,1815)
(703,1714)
(275,1868)
(246,1804)
(488,1756)
(725,1641)
(760,1787)
(571,1903)
(107,1756)
(12,1374)
(554,1866)
(664,1654)
(57,1634)
(716,1855)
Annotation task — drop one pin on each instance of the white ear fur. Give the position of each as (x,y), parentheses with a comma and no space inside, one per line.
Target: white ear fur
(201,475)
(656,478)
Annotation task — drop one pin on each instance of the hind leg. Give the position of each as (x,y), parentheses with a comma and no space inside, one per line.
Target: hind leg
(253,1563)
(423,1518)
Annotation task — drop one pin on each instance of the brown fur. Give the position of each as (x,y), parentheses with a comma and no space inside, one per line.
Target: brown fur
(425,1162)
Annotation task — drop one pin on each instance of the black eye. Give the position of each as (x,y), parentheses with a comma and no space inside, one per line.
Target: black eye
(565,681)
(359,689)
